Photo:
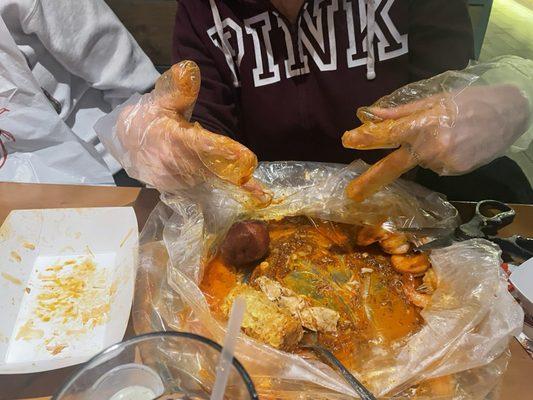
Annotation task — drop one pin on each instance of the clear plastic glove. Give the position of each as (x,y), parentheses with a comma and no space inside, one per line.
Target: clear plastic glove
(452,132)
(156,144)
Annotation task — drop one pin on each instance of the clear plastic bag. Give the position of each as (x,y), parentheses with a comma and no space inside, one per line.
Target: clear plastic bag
(467,326)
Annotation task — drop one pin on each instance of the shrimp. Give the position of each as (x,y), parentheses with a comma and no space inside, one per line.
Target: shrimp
(391,243)
(429,282)
(418,299)
(415,263)
(395,243)
(368,235)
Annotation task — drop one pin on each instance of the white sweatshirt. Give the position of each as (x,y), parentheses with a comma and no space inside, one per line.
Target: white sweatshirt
(79,54)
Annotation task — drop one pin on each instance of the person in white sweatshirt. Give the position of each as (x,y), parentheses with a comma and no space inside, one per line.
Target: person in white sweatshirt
(63,65)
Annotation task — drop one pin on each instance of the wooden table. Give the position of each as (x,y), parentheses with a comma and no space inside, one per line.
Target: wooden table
(518,381)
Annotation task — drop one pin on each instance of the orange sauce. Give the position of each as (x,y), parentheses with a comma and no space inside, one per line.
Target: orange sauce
(318,259)
(219,278)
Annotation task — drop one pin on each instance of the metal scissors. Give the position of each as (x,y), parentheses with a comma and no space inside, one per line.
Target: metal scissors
(490,216)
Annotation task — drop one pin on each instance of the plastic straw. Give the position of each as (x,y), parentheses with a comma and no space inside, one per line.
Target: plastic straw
(228,350)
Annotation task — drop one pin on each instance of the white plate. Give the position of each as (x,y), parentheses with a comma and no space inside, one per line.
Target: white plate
(522,280)
(66,285)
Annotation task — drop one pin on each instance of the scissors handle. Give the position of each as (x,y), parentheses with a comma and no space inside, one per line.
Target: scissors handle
(516,245)
(494,215)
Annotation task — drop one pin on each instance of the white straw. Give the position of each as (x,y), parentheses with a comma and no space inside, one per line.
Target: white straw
(228,350)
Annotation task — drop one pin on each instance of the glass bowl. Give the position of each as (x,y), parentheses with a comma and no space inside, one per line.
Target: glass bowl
(177,365)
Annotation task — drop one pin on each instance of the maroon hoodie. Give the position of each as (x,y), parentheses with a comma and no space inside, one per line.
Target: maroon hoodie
(289,92)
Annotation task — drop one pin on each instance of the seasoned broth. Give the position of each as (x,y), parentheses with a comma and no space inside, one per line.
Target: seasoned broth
(320,262)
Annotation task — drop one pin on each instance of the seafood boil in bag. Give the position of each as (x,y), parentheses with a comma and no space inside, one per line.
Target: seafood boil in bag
(310,261)
(406,324)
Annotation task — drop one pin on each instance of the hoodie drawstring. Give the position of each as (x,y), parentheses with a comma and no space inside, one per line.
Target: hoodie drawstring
(224,46)
(370,33)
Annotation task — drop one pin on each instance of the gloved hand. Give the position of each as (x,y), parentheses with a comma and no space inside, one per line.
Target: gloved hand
(452,132)
(159,146)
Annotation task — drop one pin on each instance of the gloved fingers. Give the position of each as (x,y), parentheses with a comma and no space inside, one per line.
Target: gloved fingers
(228,160)
(177,89)
(392,133)
(379,113)
(373,135)
(173,153)
(259,196)
(382,127)
(387,134)
(162,148)
(225,158)
(384,172)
